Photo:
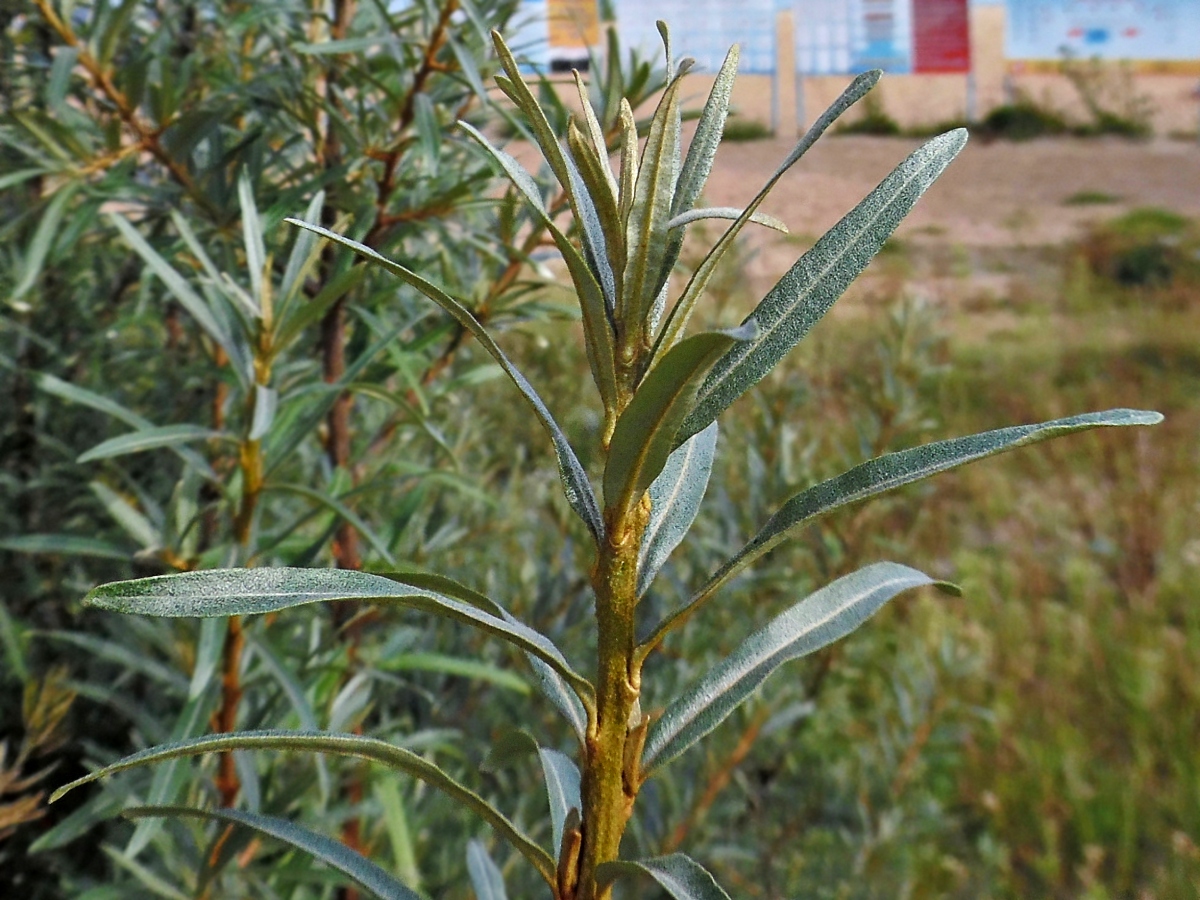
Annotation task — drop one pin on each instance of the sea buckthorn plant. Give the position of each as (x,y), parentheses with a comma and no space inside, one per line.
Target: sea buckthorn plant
(662,391)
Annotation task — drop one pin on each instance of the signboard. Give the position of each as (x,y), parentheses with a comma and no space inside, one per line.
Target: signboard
(1105,29)
(554,34)
(703,30)
(839,37)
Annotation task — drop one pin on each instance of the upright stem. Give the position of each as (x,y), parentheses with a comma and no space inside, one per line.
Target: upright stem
(610,775)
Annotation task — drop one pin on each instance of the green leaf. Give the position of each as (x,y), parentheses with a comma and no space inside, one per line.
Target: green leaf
(233,592)
(597,326)
(395,821)
(819,277)
(725,212)
(646,229)
(675,497)
(578,489)
(329,851)
(256,251)
(343,745)
(644,434)
(453,665)
(149,439)
(43,240)
(551,683)
(892,470)
(678,874)
(486,879)
(562,789)
(131,520)
(334,505)
(196,307)
(677,321)
(65,544)
(819,619)
(75,394)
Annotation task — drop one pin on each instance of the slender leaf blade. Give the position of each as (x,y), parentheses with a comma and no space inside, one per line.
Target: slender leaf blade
(643,437)
(893,470)
(578,489)
(227,592)
(818,278)
(678,874)
(562,789)
(329,851)
(149,439)
(486,878)
(820,619)
(340,744)
(675,497)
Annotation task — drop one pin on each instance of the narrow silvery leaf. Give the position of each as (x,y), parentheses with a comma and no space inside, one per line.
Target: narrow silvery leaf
(646,231)
(576,486)
(892,470)
(680,314)
(486,878)
(820,619)
(256,253)
(629,159)
(595,133)
(552,684)
(329,851)
(228,592)
(149,439)
(819,277)
(643,437)
(302,257)
(594,306)
(266,401)
(343,745)
(562,789)
(675,497)
(43,240)
(725,212)
(699,161)
(678,874)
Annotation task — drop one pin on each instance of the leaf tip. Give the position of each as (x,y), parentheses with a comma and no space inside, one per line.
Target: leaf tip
(949,588)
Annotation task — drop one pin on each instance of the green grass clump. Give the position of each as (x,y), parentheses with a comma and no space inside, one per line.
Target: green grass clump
(738,129)
(1145,248)
(1022,121)
(1091,198)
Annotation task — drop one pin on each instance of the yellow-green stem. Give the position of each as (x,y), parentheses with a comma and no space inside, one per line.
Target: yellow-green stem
(607,794)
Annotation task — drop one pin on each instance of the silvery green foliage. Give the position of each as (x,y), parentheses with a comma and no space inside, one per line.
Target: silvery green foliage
(662,392)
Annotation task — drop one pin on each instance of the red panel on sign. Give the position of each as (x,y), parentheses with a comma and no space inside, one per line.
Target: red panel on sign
(941,36)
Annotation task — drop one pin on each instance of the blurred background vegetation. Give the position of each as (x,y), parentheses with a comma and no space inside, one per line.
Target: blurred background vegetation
(239,396)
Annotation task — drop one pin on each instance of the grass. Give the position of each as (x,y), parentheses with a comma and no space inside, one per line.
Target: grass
(739,129)
(1091,198)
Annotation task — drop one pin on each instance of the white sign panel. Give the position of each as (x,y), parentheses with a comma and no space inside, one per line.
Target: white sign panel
(703,30)
(835,37)
(1108,29)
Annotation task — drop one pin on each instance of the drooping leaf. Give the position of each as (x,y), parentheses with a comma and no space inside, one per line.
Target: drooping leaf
(597,325)
(486,879)
(819,619)
(329,851)
(552,684)
(644,434)
(892,470)
(227,592)
(678,874)
(341,744)
(575,481)
(725,212)
(819,277)
(675,497)
(562,789)
(149,439)
(673,328)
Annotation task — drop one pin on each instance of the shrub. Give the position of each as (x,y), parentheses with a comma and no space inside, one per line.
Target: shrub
(661,392)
